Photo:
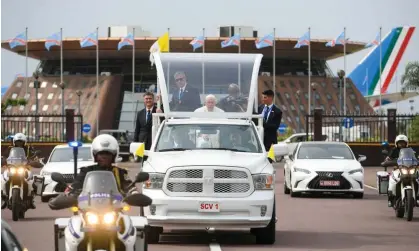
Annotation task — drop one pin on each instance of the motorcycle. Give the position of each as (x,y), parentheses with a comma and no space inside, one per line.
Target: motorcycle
(405,178)
(18,183)
(100,222)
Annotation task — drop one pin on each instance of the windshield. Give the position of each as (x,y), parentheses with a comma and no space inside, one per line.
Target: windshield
(324,151)
(241,138)
(100,191)
(407,157)
(17,156)
(66,154)
(191,77)
(121,137)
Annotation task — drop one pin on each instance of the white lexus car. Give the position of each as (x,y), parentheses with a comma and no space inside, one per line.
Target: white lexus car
(319,167)
(61,160)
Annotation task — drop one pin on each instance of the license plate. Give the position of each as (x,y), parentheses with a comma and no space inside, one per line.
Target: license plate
(330,183)
(211,207)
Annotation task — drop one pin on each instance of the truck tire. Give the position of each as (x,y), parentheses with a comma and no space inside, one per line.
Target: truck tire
(266,235)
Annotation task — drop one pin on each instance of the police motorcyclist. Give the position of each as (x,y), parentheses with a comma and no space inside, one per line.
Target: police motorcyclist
(105,150)
(19,140)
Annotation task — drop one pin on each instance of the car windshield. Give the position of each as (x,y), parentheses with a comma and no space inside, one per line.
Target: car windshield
(240,138)
(66,155)
(324,151)
(17,156)
(121,137)
(100,192)
(407,157)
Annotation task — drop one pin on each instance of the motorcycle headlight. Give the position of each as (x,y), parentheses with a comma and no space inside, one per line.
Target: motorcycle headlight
(404,170)
(155,181)
(296,169)
(17,170)
(263,181)
(412,171)
(92,218)
(109,218)
(360,170)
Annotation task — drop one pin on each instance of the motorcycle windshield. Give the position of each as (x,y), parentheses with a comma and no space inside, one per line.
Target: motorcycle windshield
(100,192)
(407,158)
(17,156)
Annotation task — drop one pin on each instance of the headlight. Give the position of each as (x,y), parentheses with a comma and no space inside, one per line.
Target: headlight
(155,181)
(404,170)
(360,170)
(109,218)
(17,170)
(296,169)
(263,181)
(412,171)
(92,218)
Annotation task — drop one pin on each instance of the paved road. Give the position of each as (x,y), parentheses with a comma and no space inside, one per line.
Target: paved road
(325,223)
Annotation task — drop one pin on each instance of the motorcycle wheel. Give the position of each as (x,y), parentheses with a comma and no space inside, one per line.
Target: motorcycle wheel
(15,204)
(399,209)
(409,205)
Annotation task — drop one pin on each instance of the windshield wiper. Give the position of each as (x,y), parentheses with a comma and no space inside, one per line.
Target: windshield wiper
(174,149)
(222,148)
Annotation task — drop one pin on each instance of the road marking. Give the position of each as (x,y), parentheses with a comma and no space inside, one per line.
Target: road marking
(215,247)
(370,187)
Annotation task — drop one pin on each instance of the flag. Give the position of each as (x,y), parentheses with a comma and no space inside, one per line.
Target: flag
(161,45)
(128,40)
(53,40)
(376,41)
(140,150)
(303,40)
(231,41)
(265,41)
(338,40)
(197,42)
(89,40)
(271,153)
(19,40)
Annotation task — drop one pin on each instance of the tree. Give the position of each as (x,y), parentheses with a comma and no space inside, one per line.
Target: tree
(414,130)
(13,102)
(410,78)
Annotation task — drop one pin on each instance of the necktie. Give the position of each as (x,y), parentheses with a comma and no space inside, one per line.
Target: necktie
(180,93)
(265,113)
(148,115)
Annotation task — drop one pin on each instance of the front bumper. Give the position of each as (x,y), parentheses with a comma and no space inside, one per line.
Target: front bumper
(182,212)
(302,182)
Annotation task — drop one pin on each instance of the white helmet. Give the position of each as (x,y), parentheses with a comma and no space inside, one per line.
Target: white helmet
(105,143)
(401,137)
(19,136)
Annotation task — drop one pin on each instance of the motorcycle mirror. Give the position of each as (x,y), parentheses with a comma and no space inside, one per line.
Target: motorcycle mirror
(141,177)
(62,202)
(384,152)
(58,177)
(138,200)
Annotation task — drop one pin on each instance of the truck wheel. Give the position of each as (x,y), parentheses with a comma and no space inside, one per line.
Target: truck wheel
(153,235)
(266,235)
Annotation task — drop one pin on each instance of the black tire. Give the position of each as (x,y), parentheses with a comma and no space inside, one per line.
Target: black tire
(358,195)
(266,235)
(286,189)
(153,235)
(400,212)
(45,199)
(409,205)
(294,194)
(15,204)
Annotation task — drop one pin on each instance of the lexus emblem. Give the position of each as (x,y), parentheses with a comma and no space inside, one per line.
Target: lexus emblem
(330,175)
(208,180)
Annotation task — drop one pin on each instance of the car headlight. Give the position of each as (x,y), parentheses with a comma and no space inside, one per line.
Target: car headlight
(263,181)
(359,170)
(296,169)
(155,181)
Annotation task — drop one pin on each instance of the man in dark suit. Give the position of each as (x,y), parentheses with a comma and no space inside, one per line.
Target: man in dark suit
(144,123)
(185,98)
(272,116)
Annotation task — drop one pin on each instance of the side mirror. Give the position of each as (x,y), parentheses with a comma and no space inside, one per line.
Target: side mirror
(141,177)
(362,158)
(58,177)
(138,200)
(281,149)
(62,202)
(118,159)
(287,141)
(384,152)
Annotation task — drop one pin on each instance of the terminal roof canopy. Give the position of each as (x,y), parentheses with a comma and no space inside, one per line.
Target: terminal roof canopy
(186,79)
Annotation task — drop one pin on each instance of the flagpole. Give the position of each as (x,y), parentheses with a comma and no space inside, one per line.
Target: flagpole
(274,65)
(62,82)
(61,55)
(309,70)
(168,65)
(344,69)
(97,81)
(239,72)
(380,73)
(203,64)
(133,79)
(26,60)
(397,90)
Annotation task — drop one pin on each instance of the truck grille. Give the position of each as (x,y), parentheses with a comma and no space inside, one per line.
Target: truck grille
(329,176)
(208,181)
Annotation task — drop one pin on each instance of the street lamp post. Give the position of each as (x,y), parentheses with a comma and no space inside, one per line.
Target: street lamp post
(314,88)
(62,86)
(79,93)
(298,111)
(36,86)
(341,75)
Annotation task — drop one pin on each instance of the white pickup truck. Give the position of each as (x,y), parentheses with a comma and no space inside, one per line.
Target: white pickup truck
(209,169)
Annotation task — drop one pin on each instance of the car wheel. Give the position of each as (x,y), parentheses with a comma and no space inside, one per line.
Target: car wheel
(45,199)
(294,194)
(286,189)
(153,234)
(266,235)
(358,195)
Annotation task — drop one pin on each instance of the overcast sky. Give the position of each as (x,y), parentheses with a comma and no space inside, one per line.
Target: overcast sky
(291,18)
